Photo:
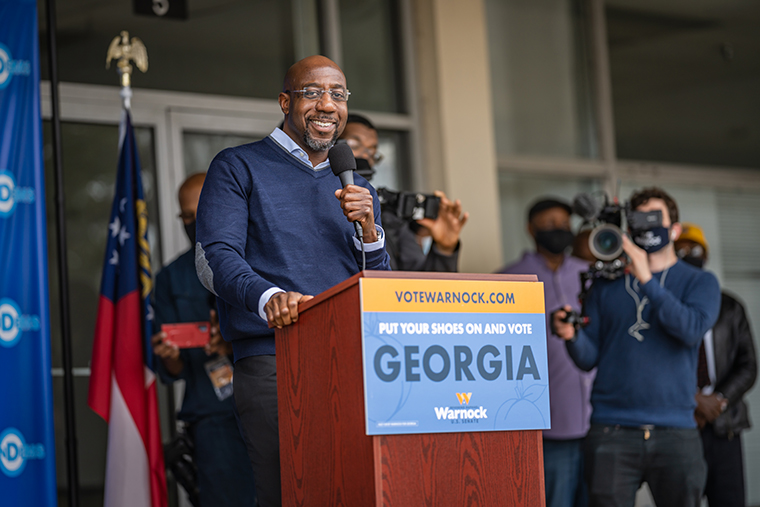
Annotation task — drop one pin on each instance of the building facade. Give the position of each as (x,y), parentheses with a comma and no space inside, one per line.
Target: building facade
(493,101)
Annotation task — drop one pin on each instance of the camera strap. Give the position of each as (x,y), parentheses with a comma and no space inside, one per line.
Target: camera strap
(640,323)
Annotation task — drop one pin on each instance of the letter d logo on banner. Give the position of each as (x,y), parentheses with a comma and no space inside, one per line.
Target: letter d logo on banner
(10,332)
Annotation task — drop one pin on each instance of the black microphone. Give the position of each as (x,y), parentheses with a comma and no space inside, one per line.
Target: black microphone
(586,206)
(343,165)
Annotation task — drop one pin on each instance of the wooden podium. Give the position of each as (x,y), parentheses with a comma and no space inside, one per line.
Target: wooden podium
(328,460)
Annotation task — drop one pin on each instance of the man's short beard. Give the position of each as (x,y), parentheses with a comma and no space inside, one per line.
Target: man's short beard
(316,145)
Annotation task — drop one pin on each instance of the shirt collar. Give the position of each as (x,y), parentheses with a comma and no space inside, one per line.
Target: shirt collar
(289,144)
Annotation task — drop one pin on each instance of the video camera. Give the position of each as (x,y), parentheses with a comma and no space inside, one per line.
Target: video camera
(606,241)
(606,238)
(409,205)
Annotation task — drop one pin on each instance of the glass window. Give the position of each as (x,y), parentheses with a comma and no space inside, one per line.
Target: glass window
(518,192)
(371,54)
(223,47)
(393,170)
(685,81)
(200,148)
(540,78)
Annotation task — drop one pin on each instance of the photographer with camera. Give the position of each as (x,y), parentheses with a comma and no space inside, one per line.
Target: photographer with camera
(569,387)
(428,241)
(642,336)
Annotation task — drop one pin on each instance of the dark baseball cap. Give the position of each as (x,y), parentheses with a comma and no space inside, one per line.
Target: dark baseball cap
(547,203)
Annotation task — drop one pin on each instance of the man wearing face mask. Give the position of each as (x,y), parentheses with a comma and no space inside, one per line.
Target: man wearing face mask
(643,339)
(569,387)
(726,370)
(225,476)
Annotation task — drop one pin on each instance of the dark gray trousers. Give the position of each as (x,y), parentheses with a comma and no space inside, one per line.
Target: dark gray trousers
(725,469)
(256,403)
(619,460)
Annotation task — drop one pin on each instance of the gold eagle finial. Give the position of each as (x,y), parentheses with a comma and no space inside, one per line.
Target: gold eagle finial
(123,50)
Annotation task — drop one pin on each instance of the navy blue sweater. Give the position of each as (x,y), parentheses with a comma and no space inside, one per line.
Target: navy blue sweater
(652,380)
(266,219)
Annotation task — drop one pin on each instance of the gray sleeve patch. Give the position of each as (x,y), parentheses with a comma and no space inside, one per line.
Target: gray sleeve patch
(205,275)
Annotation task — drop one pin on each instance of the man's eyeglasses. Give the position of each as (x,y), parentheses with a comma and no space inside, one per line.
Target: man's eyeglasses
(694,251)
(358,147)
(316,94)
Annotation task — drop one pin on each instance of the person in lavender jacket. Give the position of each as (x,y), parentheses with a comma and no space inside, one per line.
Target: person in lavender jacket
(569,387)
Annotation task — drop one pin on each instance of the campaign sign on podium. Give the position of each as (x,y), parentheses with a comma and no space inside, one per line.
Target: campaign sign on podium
(445,356)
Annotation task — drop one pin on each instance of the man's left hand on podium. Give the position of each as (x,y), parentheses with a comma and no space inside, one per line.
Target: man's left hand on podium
(282,308)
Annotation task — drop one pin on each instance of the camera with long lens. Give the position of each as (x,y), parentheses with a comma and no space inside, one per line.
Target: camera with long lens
(606,239)
(409,205)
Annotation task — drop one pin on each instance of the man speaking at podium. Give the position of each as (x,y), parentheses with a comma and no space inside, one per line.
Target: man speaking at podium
(274,227)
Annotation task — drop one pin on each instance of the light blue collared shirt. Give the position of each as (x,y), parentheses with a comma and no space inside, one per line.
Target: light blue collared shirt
(292,147)
(289,144)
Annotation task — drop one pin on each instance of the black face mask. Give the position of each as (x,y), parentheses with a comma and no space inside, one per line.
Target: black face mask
(190,231)
(555,241)
(363,169)
(697,262)
(651,240)
(694,255)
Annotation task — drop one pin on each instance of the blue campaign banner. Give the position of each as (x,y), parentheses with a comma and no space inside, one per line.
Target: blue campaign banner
(27,444)
(431,369)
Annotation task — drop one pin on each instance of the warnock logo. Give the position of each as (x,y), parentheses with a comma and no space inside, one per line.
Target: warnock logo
(464,398)
(10,67)
(13,323)
(10,194)
(15,452)
(465,413)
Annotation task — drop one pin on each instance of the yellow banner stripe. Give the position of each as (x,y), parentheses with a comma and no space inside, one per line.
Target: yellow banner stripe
(450,296)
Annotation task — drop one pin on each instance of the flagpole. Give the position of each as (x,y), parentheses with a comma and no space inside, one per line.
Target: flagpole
(72,463)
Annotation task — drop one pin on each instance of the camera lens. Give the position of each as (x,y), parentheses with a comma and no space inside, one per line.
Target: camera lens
(606,242)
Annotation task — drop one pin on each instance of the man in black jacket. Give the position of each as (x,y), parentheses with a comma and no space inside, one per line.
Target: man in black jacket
(727,370)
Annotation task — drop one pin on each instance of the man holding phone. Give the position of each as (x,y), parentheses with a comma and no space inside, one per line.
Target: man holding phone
(225,476)
(643,338)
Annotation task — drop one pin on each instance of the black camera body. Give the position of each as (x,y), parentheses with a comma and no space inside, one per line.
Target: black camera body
(607,219)
(606,238)
(409,205)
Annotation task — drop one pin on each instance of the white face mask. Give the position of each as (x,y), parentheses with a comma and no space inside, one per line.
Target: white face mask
(426,243)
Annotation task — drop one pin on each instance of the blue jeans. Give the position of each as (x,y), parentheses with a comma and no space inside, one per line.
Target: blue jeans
(619,460)
(563,473)
(225,476)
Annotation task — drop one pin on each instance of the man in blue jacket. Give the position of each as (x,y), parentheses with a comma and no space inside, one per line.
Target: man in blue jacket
(274,228)
(224,472)
(643,338)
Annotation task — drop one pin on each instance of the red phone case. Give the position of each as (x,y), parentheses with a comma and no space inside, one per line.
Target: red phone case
(187,335)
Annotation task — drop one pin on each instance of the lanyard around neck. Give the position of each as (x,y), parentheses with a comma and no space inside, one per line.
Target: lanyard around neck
(640,323)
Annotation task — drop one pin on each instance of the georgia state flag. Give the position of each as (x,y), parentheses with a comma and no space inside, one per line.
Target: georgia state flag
(123,382)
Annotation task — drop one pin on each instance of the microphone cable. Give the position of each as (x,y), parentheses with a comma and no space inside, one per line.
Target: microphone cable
(364,256)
